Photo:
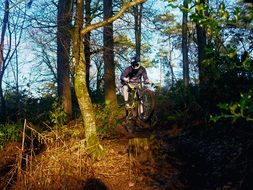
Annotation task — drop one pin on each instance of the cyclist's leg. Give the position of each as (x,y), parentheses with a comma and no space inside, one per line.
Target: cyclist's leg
(140,107)
(125,90)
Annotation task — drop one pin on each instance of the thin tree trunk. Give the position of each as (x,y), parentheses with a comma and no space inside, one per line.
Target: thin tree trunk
(99,77)
(137,27)
(87,43)
(2,62)
(63,49)
(108,56)
(18,114)
(185,46)
(2,103)
(173,77)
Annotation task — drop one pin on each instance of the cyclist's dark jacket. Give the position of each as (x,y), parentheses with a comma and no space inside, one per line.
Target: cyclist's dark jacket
(134,75)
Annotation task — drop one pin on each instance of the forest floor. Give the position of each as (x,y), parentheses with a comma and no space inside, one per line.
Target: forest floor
(167,159)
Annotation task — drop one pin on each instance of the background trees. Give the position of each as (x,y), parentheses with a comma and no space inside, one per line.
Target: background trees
(198,52)
(12,29)
(2,58)
(204,43)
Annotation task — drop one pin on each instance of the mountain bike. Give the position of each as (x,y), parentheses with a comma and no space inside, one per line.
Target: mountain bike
(141,102)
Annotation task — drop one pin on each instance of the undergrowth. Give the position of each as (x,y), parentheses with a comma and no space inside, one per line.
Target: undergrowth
(9,132)
(107,120)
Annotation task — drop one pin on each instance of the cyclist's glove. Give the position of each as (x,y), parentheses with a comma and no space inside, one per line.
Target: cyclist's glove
(148,81)
(126,79)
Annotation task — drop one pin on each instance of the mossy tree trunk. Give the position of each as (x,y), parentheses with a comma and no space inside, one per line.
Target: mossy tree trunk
(80,84)
(81,88)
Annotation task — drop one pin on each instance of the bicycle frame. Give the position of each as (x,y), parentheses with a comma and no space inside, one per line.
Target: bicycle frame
(135,106)
(133,88)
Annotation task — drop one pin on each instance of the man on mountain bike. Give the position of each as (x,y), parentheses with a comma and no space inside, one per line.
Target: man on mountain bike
(133,74)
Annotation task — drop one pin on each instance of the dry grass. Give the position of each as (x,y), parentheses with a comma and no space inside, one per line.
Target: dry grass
(65,167)
(65,164)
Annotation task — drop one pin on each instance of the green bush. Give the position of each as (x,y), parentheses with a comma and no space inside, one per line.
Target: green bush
(179,105)
(57,116)
(235,111)
(107,120)
(10,132)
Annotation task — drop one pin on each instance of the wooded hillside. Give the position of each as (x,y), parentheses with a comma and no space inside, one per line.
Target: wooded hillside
(63,120)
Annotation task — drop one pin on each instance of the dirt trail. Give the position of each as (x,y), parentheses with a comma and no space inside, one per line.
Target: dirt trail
(120,171)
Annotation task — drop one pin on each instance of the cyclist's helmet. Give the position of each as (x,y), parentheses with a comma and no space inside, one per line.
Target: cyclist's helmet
(135,62)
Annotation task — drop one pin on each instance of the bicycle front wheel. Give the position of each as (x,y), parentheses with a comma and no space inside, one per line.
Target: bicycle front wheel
(146,105)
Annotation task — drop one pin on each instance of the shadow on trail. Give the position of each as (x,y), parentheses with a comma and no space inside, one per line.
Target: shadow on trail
(94,184)
(197,159)
(219,158)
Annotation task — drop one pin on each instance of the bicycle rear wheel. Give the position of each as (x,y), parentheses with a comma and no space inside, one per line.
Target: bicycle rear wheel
(146,105)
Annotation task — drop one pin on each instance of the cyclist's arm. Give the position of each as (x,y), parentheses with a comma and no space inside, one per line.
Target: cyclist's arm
(124,76)
(145,76)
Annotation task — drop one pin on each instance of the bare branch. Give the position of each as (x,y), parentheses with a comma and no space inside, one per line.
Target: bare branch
(111,19)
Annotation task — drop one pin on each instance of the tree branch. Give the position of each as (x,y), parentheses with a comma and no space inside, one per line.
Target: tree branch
(111,19)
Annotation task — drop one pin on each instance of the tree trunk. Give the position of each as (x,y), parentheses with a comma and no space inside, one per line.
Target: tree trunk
(201,40)
(137,28)
(173,77)
(63,50)
(108,56)
(99,78)
(140,149)
(87,43)
(2,104)
(81,89)
(2,62)
(185,47)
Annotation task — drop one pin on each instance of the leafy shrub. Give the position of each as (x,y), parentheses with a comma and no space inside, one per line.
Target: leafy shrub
(179,105)
(25,106)
(57,116)
(107,120)
(10,132)
(242,109)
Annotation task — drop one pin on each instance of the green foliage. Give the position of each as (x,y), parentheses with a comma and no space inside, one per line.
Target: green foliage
(106,120)
(57,116)
(180,105)
(242,109)
(10,132)
(123,41)
(22,105)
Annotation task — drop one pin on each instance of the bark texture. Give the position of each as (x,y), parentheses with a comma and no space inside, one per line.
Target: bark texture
(108,56)
(63,50)
(185,46)
(81,90)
